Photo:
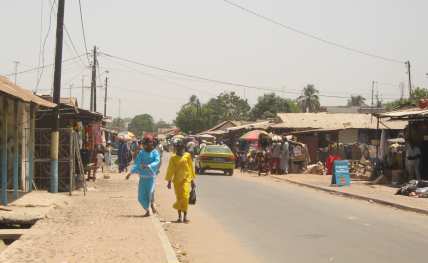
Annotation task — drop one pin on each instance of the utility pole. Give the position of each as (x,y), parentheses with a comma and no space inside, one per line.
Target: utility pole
(410,79)
(401,90)
(56,97)
(71,87)
(373,82)
(120,102)
(94,82)
(16,70)
(83,92)
(105,96)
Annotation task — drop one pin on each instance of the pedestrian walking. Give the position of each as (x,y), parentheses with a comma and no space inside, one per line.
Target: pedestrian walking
(100,160)
(123,155)
(108,156)
(180,172)
(146,165)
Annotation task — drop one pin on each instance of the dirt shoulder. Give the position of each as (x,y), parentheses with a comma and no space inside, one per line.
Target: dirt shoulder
(104,226)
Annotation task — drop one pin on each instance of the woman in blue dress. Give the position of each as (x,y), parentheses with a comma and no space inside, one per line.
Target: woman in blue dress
(146,165)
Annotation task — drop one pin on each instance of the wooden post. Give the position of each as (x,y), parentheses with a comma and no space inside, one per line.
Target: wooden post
(4,152)
(71,160)
(31,142)
(16,151)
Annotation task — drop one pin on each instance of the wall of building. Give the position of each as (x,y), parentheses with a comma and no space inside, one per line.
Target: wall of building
(348,136)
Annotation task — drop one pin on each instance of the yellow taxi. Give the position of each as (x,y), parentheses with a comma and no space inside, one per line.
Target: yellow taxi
(215,157)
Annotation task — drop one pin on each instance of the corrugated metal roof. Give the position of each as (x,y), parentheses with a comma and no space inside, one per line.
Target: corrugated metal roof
(325,120)
(405,113)
(16,91)
(257,125)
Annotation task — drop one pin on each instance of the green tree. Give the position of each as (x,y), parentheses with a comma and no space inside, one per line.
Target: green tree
(226,106)
(195,117)
(119,124)
(141,123)
(269,105)
(161,124)
(309,101)
(418,94)
(356,101)
(189,119)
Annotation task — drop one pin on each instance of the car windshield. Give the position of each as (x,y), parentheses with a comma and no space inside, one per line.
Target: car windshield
(217,149)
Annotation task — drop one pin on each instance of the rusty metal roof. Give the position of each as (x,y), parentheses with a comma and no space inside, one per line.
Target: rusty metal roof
(406,113)
(325,120)
(7,87)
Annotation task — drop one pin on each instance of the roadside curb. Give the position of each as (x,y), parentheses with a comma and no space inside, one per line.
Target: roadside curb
(170,255)
(356,196)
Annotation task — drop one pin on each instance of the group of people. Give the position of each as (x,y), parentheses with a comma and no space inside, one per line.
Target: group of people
(180,175)
(271,157)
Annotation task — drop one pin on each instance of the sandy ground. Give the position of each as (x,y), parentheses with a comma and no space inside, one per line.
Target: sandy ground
(104,226)
(203,240)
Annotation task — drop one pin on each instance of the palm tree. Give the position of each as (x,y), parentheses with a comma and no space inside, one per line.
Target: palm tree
(309,101)
(356,101)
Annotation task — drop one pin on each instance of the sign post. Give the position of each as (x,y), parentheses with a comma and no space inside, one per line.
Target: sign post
(341,176)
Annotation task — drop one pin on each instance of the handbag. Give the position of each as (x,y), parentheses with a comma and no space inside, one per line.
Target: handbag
(192,198)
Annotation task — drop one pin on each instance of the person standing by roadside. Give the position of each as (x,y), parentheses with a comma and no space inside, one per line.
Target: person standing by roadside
(285,155)
(180,172)
(413,157)
(146,165)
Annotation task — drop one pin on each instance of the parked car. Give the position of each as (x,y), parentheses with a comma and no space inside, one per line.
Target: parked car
(215,157)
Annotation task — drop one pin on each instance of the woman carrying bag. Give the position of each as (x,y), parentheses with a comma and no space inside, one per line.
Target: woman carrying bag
(181,173)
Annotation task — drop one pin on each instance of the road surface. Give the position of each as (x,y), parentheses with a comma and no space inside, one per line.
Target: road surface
(280,222)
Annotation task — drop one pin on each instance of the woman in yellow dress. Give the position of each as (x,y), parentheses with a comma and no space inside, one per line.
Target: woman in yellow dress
(181,173)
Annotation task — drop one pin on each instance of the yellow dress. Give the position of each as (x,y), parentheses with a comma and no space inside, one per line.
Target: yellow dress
(181,173)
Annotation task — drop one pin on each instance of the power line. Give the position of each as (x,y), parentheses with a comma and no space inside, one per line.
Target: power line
(154,76)
(190,75)
(312,36)
(44,66)
(83,30)
(40,74)
(72,44)
(71,40)
(219,81)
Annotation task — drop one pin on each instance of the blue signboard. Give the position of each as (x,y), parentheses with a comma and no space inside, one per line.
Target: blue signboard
(341,176)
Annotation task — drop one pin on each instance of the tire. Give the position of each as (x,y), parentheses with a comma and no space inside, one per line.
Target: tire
(230,172)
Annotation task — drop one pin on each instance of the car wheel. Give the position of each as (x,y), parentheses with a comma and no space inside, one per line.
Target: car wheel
(230,172)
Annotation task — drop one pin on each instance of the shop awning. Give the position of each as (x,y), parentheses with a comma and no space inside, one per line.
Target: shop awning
(22,94)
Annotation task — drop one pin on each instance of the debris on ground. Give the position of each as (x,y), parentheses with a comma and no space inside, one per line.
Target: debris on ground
(317,168)
(414,188)
(362,169)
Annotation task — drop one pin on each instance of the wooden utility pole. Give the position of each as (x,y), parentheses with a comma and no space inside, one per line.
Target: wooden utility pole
(94,82)
(372,94)
(410,79)
(57,97)
(105,97)
(83,93)
(16,70)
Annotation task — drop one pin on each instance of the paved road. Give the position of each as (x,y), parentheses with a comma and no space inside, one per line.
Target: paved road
(287,223)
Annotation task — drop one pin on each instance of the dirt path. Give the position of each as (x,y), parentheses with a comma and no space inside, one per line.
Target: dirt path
(105,226)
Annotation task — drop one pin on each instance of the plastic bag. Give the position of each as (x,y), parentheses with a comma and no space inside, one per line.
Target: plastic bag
(192,198)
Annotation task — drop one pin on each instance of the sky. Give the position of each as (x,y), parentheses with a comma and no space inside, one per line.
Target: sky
(215,40)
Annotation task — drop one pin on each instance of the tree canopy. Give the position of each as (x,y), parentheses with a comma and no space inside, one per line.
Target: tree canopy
(195,117)
(418,94)
(309,101)
(270,104)
(141,123)
(357,101)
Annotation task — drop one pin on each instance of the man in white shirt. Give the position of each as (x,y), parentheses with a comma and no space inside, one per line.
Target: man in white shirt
(413,157)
